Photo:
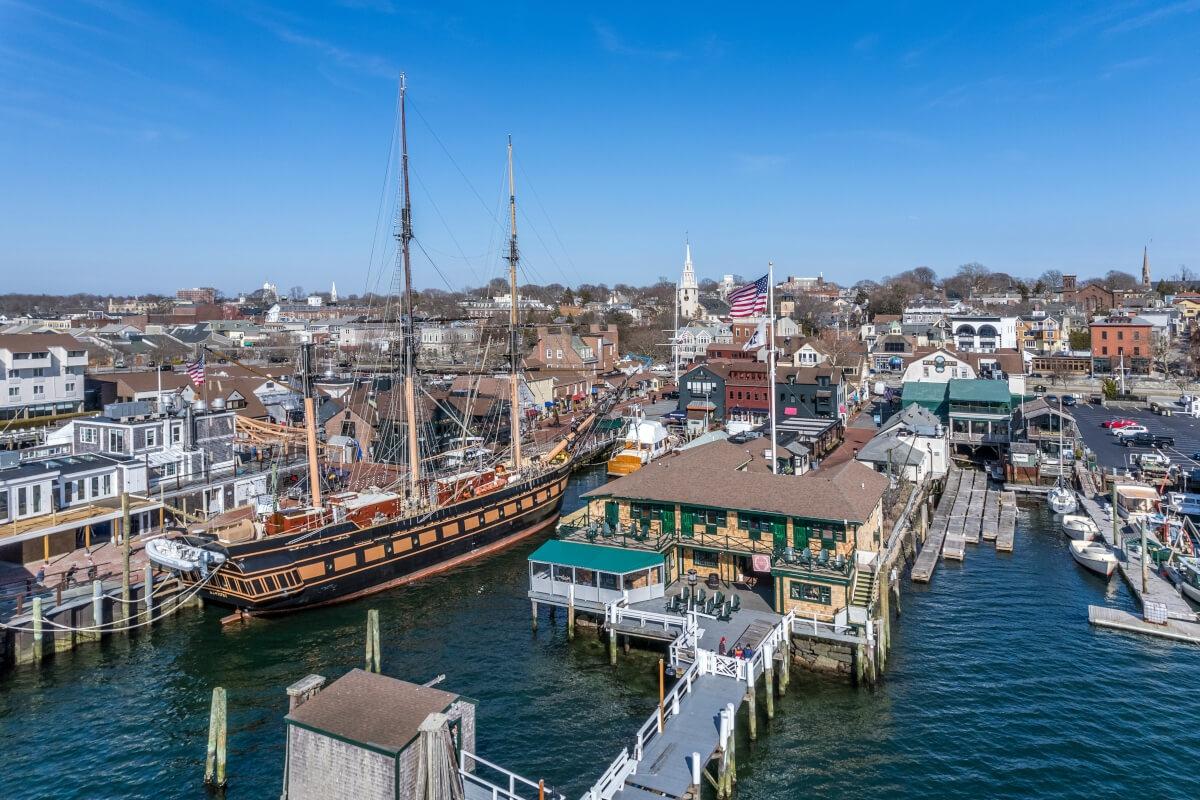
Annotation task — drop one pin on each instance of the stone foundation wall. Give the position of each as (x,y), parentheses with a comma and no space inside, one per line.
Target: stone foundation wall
(833,658)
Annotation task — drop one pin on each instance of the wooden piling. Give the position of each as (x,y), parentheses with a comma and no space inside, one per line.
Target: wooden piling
(87,538)
(148,591)
(785,667)
(37,628)
(533,615)
(571,614)
(214,761)
(769,681)
(661,694)
(612,646)
(97,610)
(752,711)
(372,647)
(125,528)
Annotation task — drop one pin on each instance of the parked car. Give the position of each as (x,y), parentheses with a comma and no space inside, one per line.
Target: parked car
(1069,400)
(1114,424)
(1130,430)
(1147,440)
(1051,398)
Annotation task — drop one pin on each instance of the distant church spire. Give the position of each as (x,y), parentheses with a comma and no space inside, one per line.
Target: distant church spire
(333,293)
(689,292)
(1146,267)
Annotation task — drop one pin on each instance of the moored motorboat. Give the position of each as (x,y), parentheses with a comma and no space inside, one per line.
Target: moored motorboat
(174,554)
(1189,574)
(1079,528)
(1095,557)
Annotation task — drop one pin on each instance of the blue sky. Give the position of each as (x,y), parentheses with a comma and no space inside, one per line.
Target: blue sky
(158,145)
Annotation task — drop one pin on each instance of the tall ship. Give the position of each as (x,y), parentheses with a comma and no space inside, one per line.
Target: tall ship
(336,543)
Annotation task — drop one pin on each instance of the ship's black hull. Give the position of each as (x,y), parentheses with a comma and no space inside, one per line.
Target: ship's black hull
(291,572)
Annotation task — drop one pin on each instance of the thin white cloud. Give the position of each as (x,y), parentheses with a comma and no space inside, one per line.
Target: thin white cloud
(762,162)
(1129,65)
(1155,15)
(612,42)
(366,63)
(866,43)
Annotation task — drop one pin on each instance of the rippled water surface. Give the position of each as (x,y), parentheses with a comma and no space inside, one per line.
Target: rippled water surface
(996,686)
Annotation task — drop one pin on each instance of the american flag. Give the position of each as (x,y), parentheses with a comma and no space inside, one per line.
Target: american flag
(750,299)
(195,371)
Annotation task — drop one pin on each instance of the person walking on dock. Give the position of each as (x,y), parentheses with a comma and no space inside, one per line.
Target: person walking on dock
(721,647)
(41,575)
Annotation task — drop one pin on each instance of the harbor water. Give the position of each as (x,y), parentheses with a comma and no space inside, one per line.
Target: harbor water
(996,687)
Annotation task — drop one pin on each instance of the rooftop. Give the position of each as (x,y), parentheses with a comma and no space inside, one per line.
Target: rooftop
(372,710)
(594,556)
(733,476)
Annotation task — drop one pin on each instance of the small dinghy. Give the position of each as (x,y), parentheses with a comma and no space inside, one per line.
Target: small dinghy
(1079,528)
(176,555)
(1095,557)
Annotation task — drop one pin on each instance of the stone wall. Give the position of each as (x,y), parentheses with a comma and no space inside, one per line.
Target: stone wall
(833,658)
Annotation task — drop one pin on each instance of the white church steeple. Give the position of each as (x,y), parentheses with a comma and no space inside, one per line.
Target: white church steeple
(689,293)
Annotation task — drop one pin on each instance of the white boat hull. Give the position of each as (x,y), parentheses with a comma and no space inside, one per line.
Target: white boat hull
(1079,528)
(1094,557)
(1061,500)
(1191,592)
(181,557)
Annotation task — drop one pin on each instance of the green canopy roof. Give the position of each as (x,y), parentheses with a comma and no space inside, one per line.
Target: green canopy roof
(926,392)
(980,390)
(595,556)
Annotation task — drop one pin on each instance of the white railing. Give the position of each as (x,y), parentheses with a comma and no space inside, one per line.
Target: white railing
(467,762)
(687,641)
(619,611)
(816,626)
(613,779)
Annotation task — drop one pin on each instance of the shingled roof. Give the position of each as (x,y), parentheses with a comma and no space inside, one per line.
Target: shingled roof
(726,475)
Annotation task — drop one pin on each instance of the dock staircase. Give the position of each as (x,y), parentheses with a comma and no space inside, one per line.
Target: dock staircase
(864,589)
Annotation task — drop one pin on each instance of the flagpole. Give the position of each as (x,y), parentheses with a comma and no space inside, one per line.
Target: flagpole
(771,361)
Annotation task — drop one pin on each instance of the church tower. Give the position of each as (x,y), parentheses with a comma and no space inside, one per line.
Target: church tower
(1146,267)
(689,293)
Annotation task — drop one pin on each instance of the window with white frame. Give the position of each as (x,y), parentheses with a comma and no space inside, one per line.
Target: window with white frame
(151,437)
(39,391)
(87,435)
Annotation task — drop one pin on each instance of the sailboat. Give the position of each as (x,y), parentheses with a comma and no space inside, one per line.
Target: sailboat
(1061,497)
(354,543)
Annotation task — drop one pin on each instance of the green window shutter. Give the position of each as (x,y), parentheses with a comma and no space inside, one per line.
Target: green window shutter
(668,519)
(800,534)
(779,533)
(611,513)
(686,522)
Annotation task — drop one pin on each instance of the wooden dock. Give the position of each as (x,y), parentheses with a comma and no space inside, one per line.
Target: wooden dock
(927,559)
(1115,619)
(990,527)
(1008,522)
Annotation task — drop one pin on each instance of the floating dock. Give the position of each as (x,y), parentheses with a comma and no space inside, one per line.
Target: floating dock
(927,559)
(1008,522)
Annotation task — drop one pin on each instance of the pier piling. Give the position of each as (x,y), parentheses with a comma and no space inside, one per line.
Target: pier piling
(37,628)
(373,664)
(751,710)
(696,769)
(571,613)
(785,668)
(769,681)
(214,761)
(97,610)
(125,528)
(612,646)
(148,591)
(533,615)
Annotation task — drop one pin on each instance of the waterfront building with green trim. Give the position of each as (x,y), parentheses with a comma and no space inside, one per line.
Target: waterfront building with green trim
(800,541)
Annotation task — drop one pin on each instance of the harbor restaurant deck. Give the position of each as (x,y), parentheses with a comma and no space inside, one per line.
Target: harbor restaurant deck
(595,573)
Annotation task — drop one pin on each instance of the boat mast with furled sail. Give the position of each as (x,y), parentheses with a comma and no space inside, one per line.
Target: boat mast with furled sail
(346,544)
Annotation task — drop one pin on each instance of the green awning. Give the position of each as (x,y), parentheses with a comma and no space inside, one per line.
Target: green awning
(595,556)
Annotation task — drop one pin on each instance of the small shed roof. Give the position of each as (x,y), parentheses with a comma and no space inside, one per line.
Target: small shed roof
(595,556)
(375,711)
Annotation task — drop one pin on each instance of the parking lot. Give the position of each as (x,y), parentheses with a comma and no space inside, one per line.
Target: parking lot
(1111,453)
